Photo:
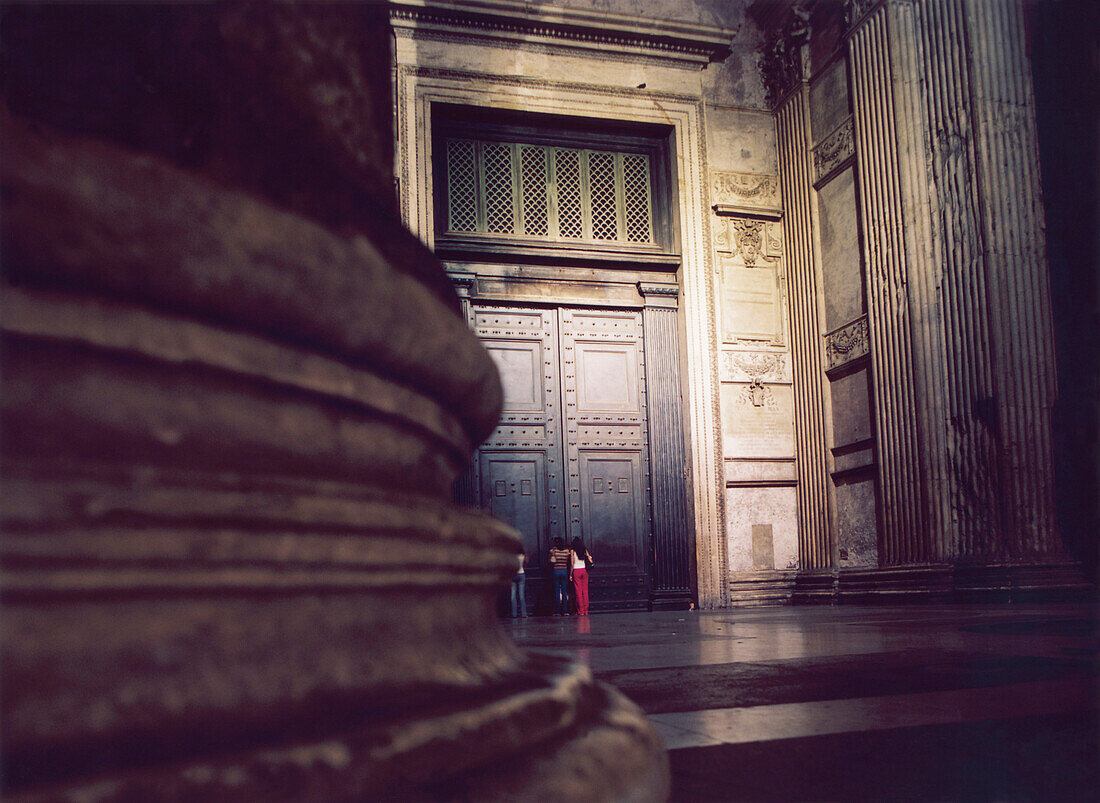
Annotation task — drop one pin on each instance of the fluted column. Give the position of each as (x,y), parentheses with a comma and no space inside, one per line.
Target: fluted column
(672,539)
(1014,249)
(966,472)
(887,268)
(795,178)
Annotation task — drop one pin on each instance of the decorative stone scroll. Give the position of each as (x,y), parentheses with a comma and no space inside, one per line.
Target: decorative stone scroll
(757,394)
(834,153)
(847,344)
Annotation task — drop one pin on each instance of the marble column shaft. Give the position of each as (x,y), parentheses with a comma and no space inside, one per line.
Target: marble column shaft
(958,290)
(1014,251)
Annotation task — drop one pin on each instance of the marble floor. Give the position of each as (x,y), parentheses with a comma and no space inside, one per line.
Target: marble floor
(932,702)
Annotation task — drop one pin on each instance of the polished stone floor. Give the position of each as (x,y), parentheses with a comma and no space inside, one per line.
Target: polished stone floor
(933,702)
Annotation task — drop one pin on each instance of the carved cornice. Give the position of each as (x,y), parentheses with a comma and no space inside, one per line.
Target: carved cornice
(847,343)
(834,153)
(665,296)
(589,30)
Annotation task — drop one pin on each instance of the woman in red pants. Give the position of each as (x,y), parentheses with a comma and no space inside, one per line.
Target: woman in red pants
(582,559)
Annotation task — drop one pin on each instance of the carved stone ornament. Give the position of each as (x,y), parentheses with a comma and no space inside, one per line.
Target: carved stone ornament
(781,61)
(755,365)
(848,343)
(856,10)
(744,189)
(834,152)
(752,240)
(757,394)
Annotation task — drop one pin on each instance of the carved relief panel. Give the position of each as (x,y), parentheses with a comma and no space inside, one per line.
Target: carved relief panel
(747,247)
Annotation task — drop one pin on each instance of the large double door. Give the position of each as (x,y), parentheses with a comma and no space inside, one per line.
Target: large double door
(570,456)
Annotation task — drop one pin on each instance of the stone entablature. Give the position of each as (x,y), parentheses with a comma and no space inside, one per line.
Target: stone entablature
(592,31)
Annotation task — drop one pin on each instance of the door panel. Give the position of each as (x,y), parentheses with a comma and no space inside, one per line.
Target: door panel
(524,452)
(603,370)
(611,515)
(514,483)
(520,367)
(607,377)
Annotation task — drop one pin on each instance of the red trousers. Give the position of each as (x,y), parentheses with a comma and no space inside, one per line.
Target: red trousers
(580,590)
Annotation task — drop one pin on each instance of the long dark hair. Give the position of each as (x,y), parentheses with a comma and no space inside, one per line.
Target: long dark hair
(558,543)
(578,547)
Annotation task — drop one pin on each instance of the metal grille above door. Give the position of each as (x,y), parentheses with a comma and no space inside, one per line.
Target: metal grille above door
(548,193)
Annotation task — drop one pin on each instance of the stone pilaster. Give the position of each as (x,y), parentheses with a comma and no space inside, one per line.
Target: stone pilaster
(796,182)
(888,299)
(673,539)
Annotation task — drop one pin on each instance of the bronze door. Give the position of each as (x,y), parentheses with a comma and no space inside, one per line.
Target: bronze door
(594,481)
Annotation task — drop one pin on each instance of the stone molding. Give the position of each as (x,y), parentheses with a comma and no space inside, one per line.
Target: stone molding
(572,28)
(665,296)
(847,343)
(834,153)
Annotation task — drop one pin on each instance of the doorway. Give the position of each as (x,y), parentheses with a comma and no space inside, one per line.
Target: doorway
(570,457)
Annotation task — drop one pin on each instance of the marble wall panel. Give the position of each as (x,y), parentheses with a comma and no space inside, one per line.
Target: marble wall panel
(757,421)
(750,302)
(736,81)
(842,276)
(828,100)
(740,140)
(774,507)
(851,408)
(856,527)
(761,471)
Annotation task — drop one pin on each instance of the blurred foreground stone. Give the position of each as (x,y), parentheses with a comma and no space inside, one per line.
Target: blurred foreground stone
(236,395)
